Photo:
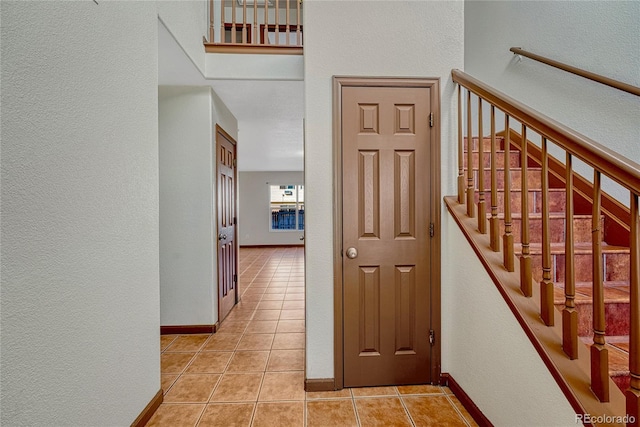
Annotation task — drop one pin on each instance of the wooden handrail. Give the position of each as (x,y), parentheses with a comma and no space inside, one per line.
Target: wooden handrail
(624,171)
(626,87)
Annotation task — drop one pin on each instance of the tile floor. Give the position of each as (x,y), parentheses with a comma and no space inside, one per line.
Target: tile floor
(251,372)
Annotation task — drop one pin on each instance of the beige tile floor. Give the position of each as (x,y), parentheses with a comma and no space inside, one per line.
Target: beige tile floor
(251,372)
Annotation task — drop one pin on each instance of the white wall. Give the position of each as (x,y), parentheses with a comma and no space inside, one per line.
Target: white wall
(254,66)
(486,350)
(223,117)
(254,219)
(600,36)
(366,38)
(80,303)
(188,272)
(188,22)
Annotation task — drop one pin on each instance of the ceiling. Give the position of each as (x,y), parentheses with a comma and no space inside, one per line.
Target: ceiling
(269,113)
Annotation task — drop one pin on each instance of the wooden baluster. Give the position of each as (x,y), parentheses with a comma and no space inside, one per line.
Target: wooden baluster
(546,285)
(470,189)
(569,313)
(298,32)
(245,34)
(599,352)
(211,21)
(277,23)
(222,19)
(633,393)
(507,238)
(244,22)
(287,19)
(460,150)
(233,22)
(482,208)
(494,224)
(265,34)
(254,36)
(526,285)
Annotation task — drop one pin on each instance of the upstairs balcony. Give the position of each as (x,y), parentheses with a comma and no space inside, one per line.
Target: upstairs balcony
(255,27)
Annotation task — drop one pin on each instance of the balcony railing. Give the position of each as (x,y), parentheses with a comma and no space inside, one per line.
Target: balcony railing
(255,26)
(537,227)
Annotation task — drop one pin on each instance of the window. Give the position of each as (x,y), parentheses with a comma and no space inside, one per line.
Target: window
(286,204)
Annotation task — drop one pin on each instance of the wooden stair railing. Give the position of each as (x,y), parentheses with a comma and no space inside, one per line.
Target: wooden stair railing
(604,162)
(255,26)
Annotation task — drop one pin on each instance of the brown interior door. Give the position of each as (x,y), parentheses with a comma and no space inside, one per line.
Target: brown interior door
(385,237)
(227,251)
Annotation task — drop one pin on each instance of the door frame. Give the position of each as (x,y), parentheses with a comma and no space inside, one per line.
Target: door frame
(220,131)
(435,270)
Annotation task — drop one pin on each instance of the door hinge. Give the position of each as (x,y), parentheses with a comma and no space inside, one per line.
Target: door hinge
(235,278)
(235,220)
(431,120)
(432,231)
(432,337)
(235,162)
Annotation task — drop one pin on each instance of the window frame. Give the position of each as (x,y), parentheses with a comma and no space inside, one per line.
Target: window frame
(299,206)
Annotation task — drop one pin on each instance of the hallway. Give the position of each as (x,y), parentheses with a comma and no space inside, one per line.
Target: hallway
(251,372)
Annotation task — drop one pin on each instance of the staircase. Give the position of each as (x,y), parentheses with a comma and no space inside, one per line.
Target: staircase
(615,258)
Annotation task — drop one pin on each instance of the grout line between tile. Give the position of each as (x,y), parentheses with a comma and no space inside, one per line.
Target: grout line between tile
(355,409)
(253,413)
(406,410)
(204,408)
(215,387)
(455,408)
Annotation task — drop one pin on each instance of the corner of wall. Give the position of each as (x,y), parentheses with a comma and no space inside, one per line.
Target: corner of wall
(187,23)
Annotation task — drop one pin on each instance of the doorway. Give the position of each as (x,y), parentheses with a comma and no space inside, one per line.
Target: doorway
(387,254)
(226,185)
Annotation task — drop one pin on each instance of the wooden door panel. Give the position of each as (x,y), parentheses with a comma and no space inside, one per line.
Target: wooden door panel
(385,217)
(227,251)
(369,183)
(369,313)
(405,297)
(404,194)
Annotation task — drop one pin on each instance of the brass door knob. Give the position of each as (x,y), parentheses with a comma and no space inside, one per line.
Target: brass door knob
(352,253)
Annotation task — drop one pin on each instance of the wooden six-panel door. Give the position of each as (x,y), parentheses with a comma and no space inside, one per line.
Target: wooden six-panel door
(227,251)
(385,235)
